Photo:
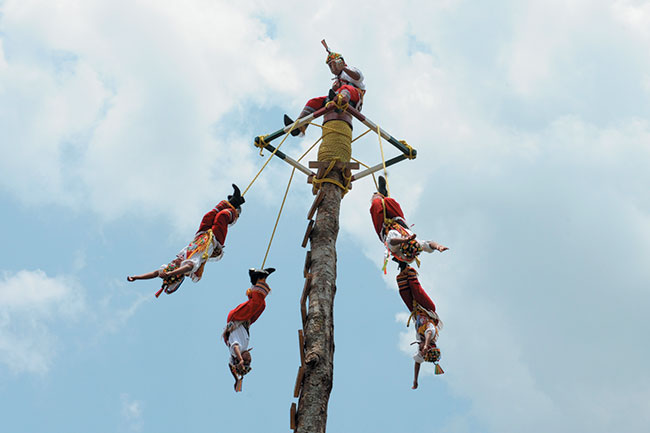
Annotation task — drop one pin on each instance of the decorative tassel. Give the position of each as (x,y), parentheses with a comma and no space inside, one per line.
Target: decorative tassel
(385,263)
(439,369)
(417,260)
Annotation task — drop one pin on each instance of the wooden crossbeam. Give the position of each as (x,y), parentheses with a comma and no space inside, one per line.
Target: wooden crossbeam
(310,227)
(338,164)
(385,135)
(377,167)
(283,156)
(299,122)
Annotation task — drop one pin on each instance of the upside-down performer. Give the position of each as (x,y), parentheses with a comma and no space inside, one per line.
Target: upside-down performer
(207,245)
(348,82)
(392,229)
(427,322)
(237,332)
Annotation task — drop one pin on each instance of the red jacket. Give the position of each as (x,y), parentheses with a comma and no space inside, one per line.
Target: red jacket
(218,219)
(252,309)
(393,210)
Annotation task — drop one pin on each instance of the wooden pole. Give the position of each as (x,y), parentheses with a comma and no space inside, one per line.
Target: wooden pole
(311,415)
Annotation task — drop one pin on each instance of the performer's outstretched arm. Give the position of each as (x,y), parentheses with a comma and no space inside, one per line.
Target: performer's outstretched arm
(416,373)
(180,271)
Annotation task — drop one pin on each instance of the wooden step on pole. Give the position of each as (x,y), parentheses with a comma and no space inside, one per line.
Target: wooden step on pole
(303,298)
(314,206)
(298,385)
(307,268)
(310,227)
(301,343)
(292,416)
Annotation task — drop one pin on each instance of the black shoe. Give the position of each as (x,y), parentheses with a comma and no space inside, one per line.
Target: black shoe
(287,122)
(236,200)
(382,186)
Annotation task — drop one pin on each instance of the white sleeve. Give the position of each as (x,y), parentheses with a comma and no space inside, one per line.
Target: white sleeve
(238,336)
(426,246)
(392,234)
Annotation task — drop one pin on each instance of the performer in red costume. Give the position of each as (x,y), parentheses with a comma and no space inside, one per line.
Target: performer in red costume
(207,245)
(380,200)
(427,322)
(392,229)
(237,332)
(410,289)
(348,82)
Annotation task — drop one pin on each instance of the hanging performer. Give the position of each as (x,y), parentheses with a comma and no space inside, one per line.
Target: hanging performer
(427,322)
(348,82)
(237,335)
(392,229)
(207,245)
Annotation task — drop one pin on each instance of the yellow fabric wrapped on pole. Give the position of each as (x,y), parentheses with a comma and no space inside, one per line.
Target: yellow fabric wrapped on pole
(337,139)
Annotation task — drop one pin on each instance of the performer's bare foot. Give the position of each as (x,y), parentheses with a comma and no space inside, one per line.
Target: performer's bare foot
(415,384)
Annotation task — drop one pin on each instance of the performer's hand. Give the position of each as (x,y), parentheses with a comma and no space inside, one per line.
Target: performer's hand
(163,274)
(410,238)
(441,248)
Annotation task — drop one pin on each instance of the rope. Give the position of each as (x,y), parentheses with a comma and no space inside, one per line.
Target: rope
(338,102)
(359,136)
(325,179)
(277,220)
(337,139)
(410,155)
(262,144)
(383,160)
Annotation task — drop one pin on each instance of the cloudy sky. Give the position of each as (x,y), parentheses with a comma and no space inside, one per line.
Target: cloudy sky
(121,123)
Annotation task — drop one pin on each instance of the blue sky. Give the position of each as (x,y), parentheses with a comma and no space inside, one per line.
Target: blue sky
(121,123)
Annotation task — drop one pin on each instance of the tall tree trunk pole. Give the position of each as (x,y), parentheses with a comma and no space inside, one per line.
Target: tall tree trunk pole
(311,416)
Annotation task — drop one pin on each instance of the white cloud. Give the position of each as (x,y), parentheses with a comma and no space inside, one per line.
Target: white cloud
(30,303)
(132,413)
(532,162)
(110,110)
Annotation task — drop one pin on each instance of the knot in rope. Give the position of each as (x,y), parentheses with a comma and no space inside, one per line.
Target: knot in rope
(324,179)
(340,103)
(410,155)
(260,142)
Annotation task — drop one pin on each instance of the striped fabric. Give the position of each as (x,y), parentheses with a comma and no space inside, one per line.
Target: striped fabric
(261,287)
(404,277)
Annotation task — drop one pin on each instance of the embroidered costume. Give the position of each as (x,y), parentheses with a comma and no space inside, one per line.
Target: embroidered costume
(423,324)
(237,332)
(207,245)
(353,90)
(390,224)
(251,310)
(412,292)
(423,311)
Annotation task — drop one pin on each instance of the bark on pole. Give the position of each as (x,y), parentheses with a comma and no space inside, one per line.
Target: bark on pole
(311,416)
